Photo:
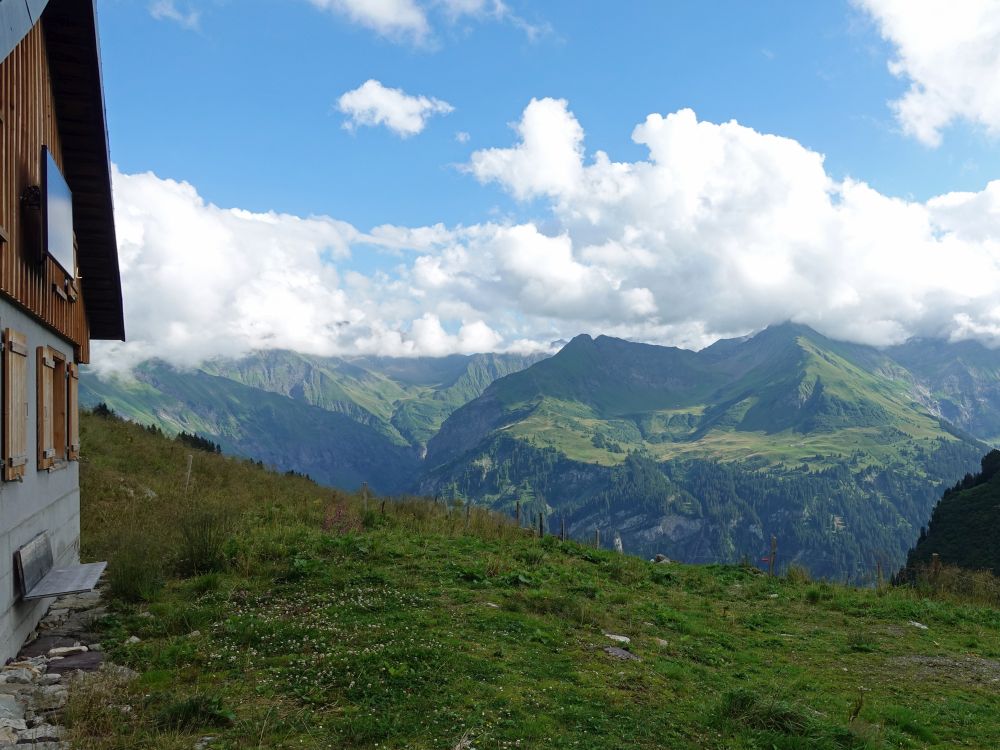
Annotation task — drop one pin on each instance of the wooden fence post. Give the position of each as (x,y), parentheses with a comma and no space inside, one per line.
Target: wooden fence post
(468,513)
(774,555)
(517,513)
(562,528)
(364,495)
(597,537)
(935,567)
(541,525)
(187,479)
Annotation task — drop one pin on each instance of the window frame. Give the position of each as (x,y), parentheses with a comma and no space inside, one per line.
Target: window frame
(50,407)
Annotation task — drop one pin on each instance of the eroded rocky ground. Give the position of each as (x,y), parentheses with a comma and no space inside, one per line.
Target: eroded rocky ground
(34,687)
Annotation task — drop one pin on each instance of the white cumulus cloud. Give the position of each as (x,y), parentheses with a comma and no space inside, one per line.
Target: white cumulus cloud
(372,104)
(949,51)
(719,230)
(168,10)
(410,20)
(400,19)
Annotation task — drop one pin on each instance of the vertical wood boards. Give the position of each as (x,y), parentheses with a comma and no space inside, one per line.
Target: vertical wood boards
(73,412)
(15,404)
(44,407)
(28,121)
(53,383)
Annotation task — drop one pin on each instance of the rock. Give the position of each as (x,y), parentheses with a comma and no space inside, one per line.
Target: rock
(133,639)
(19,676)
(41,733)
(491,605)
(87,661)
(15,724)
(194,634)
(619,638)
(10,708)
(14,689)
(661,559)
(96,647)
(50,697)
(918,625)
(120,672)
(620,653)
(68,650)
(204,742)
(44,644)
(8,736)
(85,600)
(772,596)
(50,679)
(660,642)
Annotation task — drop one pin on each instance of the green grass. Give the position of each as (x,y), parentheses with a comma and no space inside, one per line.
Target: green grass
(328,626)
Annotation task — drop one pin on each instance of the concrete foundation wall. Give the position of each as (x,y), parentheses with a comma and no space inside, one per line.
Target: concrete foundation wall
(44,501)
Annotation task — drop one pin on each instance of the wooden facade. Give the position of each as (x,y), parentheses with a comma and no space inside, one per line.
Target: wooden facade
(28,112)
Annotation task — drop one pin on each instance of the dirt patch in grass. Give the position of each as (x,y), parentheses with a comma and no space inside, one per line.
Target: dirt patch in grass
(964,669)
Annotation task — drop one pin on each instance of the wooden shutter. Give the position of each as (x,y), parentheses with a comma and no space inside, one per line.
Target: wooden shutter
(15,405)
(73,412)
(45,407)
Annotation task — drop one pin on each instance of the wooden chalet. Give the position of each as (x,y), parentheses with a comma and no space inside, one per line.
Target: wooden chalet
(59,288)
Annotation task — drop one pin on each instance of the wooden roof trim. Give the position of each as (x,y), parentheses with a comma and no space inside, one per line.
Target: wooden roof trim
(70,28)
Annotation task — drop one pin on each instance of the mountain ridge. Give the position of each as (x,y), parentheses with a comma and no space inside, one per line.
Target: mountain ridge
(704,453)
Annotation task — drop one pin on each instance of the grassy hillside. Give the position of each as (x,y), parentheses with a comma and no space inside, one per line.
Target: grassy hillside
(273,613)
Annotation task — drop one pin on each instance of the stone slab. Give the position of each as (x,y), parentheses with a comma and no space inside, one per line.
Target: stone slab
(89,661)
(41,645)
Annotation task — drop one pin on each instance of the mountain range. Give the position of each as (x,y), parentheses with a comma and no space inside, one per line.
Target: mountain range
(839,450)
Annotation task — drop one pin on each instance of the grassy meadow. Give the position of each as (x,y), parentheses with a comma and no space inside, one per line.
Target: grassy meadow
(275,613)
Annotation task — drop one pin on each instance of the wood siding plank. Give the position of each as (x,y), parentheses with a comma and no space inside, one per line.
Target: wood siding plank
(73,412)
(28,121)
(15,405)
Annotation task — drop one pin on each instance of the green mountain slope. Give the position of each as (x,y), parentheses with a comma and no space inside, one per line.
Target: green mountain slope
(282,432)
(961,381)
(328,625)
(964,529)
(342,421)
(703,456)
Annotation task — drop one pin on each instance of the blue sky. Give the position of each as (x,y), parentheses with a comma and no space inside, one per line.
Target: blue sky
(425,176)
(243,106)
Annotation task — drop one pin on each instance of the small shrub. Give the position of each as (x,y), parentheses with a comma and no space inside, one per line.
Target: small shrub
(797,574)
(338,519)
(203,535)
(496,566)
(195,712)
(861,641)
(135,571)
(817,593)
(532,555)
(205,584)
(955,584)
(753,711)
